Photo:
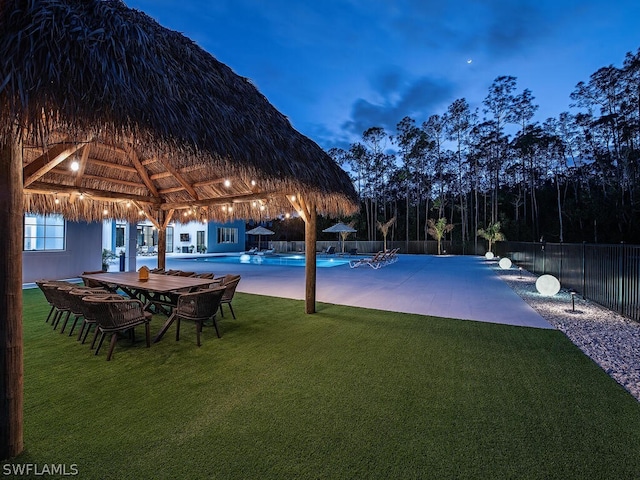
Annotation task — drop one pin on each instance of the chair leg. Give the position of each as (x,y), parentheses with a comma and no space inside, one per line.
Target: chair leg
(87,328)
(177,328)
(221,311)
(50,312)
(95,337)
(112,345)
(75,322)
(56,319)
(147,331)
(66,320)
(198,330)
(231,308)
(100,342)
(215,325)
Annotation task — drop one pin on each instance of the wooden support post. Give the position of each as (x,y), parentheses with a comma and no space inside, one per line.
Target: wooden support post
(310,259)
(307,210)
(11,356)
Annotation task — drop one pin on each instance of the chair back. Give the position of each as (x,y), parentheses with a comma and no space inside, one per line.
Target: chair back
(116,314)
(230,286)
(199,305)
(91,283)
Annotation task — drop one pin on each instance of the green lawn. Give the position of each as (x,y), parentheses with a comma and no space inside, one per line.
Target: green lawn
(345,393)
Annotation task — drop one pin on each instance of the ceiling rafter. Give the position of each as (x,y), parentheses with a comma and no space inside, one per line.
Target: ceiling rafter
(51,189)
(49,160)
(176,174)
(133,156)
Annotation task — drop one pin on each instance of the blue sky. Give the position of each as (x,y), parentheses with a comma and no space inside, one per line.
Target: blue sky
(337,67)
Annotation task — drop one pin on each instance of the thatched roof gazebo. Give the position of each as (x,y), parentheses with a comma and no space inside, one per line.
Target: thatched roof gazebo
(104,113)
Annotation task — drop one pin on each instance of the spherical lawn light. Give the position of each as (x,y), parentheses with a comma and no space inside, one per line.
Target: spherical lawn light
(547,285)
(505,263)
(488,255)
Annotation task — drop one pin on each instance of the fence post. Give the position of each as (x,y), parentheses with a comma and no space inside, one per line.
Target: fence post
(621,282)
(584,271)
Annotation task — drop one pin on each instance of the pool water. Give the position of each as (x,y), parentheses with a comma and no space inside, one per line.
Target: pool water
(283,260)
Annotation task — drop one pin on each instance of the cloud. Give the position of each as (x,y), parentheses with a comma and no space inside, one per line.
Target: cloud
(399,97)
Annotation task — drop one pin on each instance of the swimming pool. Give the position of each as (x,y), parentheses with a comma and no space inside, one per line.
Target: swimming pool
(282,260)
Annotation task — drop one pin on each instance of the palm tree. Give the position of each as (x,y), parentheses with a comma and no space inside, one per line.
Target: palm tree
(492,234)
(438,229)
(384,228)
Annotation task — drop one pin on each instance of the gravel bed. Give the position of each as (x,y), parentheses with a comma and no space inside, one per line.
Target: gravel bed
(609,339)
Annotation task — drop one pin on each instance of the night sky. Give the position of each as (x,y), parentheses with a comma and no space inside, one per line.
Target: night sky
(337,67)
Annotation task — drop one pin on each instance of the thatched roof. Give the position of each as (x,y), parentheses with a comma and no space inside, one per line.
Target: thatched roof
(154,122)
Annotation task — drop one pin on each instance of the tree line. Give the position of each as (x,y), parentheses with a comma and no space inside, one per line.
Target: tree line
(572,178)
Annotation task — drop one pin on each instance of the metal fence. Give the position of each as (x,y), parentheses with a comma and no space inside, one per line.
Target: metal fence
(606,274)
(362,246)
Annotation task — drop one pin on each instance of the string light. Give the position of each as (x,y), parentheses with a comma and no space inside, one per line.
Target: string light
(227,183)
(253,183)
(75,166)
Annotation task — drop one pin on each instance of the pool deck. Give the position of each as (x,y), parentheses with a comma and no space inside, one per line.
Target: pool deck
(458,287)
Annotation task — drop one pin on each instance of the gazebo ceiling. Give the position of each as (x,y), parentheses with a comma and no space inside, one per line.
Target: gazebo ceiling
(152,121)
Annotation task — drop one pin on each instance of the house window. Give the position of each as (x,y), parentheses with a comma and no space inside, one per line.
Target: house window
(43,232)
(119,235)
(227,235)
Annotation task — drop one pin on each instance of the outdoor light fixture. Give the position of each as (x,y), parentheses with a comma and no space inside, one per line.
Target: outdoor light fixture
(505,263)
(293,198)
(253,183)
(75,166)
(105,211)
(227,183)
(82,196)
(488,255)
(573,300)
(519,272)
(56,200)
(547,285)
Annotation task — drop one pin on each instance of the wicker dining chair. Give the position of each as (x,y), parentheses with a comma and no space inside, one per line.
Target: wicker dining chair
(77,305)
(199,307)
(89,315)
(230,282)
(117,316)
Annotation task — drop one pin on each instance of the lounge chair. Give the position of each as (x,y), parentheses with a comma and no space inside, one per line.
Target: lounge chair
(252,251)
(373,262)
(330,250)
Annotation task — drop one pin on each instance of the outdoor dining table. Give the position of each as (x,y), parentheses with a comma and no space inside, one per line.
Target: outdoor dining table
(152,290)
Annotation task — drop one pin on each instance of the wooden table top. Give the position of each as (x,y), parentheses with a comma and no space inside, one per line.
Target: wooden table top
(157,282)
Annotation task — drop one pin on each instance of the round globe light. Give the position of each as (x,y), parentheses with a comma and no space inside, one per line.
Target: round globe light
(505,263)
(547,285)
(488,255)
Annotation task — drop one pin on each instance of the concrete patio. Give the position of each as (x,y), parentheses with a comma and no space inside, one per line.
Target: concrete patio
(459,287)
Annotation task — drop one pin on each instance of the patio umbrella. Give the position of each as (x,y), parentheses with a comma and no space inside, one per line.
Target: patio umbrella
(106,114)
(340,228)
(260,230)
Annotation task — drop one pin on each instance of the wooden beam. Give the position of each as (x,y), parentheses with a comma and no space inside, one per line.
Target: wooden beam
(48,160)
(83,164)
(221,200)
(133,156)
(51,189)
(102,163)
(176,174)
(11,334)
